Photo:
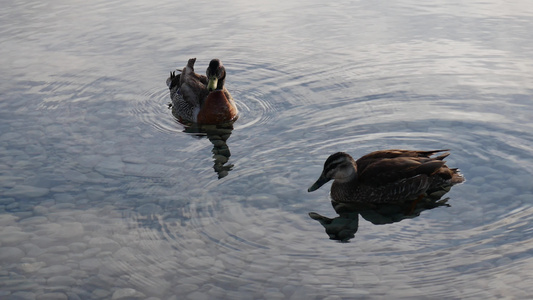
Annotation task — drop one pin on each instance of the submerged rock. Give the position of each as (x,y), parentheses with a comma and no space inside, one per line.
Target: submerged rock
(127,293)
(10,255)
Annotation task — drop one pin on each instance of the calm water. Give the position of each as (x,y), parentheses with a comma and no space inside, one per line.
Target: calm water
(103,196)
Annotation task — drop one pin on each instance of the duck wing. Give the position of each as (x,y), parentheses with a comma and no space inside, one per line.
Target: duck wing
(193,86)
(387,171)
(376,156)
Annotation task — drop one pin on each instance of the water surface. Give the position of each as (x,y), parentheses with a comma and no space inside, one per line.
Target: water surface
(103,195)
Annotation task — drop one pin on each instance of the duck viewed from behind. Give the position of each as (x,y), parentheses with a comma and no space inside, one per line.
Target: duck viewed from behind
(201,99)
(387,176)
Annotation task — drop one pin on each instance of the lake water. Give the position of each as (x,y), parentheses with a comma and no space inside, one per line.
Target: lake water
(104,196)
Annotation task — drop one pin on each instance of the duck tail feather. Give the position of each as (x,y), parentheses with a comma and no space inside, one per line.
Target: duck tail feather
(457,177)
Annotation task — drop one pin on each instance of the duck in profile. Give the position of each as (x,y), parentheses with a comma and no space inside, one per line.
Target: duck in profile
(387,176)
(201,99)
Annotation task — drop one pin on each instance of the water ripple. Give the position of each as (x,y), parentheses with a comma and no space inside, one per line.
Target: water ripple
(255,105)
(154,111)
(98,174)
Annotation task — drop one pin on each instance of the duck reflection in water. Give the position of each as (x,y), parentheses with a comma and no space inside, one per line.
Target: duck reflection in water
(218,136)
(344,227)
(384,187)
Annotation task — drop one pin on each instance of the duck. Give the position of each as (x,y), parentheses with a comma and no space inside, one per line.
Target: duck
(387,176)
(201,99)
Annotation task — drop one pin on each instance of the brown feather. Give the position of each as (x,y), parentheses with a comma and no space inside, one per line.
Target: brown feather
(375,156)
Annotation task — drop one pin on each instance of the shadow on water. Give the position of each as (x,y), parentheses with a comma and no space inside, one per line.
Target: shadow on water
(218,136)
(344,227)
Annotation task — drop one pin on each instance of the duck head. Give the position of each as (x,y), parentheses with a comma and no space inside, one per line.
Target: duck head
(339,166)
(216,75)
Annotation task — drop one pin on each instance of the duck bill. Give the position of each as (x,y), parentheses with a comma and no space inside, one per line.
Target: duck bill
(320,182)
(212,83)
